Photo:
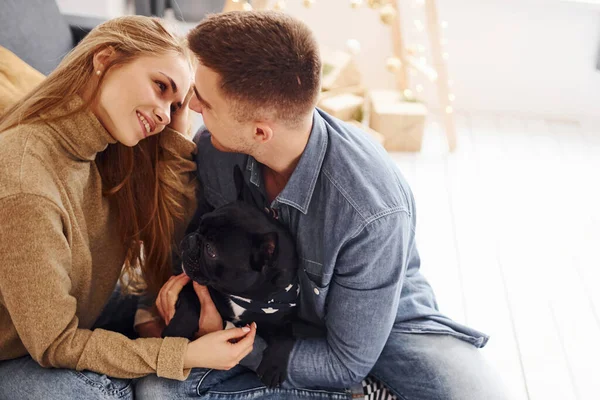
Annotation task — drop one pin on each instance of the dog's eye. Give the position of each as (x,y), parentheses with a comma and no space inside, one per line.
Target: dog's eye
(210,250)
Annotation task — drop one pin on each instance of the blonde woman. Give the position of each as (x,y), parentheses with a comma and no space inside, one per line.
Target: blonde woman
(96,180)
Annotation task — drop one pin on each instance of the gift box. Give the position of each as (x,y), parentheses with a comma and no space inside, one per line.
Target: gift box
(345,106)
(357,90)
(339,70)
(402,123)
(378,137)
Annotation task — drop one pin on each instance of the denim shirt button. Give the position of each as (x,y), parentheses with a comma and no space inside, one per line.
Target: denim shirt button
(316,291)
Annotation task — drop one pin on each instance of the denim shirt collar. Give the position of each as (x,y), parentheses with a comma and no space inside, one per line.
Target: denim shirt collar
(298,191)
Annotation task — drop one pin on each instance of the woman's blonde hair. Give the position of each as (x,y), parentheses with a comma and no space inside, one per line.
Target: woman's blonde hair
(147,197)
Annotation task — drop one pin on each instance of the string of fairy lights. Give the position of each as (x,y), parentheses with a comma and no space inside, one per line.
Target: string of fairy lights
(416,57)
(416,54)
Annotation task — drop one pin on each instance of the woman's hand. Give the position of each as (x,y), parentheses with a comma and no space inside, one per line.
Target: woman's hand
(180,118)
(150,329)
(168,295)
(210,319)
(220,350)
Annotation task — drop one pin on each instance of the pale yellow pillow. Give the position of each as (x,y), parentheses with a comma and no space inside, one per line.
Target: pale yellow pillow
(17,78)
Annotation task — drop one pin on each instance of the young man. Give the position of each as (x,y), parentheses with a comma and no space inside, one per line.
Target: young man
(349,208)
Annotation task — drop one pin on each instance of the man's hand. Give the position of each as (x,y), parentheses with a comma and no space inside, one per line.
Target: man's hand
(272,370)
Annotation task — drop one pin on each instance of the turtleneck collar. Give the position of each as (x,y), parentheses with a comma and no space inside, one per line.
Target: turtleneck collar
(81,133)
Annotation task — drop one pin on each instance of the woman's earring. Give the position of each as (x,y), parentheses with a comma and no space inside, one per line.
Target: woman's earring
(98,72)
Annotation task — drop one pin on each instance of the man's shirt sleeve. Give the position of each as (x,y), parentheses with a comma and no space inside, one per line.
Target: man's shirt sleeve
(362,304)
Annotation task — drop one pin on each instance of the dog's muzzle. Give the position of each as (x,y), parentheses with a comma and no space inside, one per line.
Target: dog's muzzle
(191,243)
(191,254)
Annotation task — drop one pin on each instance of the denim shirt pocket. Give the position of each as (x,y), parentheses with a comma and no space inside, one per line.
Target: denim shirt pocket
(314,285)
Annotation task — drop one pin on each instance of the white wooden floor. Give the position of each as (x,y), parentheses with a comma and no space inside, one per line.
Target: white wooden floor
(509,233)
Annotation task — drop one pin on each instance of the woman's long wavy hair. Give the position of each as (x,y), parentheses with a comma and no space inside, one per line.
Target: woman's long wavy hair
(144,188)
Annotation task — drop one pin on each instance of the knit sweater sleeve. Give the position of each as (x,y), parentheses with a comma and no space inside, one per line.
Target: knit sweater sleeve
(35,287)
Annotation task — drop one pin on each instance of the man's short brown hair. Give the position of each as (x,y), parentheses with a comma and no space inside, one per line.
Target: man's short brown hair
(268,62)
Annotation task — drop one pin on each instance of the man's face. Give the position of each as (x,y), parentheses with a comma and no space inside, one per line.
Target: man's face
(227,134)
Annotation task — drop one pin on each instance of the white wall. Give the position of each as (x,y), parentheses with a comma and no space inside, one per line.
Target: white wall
(98,8)
(523,56)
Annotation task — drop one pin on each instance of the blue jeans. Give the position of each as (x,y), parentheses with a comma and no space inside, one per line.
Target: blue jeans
(23,378)
(237,383)
(429,366)
(422,366)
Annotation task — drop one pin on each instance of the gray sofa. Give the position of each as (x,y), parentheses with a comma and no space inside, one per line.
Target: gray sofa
(37,32)
(184,10)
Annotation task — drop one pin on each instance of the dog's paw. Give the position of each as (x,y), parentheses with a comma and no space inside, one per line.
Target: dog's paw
(272,370)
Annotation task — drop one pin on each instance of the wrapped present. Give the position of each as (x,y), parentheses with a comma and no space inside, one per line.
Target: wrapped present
(358,90)
(344,106)
(379,138)
(339,70)
(402,123)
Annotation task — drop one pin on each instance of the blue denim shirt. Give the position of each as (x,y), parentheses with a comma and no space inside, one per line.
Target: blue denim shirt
(353,217)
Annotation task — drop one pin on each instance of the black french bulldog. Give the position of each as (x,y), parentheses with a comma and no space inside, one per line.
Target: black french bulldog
(248,261)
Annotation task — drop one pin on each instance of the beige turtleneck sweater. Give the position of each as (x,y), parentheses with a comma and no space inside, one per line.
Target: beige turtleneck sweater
(60,253)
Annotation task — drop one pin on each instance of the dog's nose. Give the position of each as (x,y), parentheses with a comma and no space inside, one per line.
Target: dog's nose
(190,242)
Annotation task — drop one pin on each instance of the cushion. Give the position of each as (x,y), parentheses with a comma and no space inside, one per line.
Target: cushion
(17,78)
(36,31)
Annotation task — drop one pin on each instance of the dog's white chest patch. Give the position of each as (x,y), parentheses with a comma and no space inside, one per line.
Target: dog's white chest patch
(237,310)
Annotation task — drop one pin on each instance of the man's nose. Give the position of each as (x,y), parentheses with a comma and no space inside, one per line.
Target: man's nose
(195,105)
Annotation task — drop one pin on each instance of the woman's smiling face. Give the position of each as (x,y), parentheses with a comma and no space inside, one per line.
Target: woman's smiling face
(135,100)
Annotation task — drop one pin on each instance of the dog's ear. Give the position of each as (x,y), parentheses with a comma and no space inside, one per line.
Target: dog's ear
(240,184)
(266,250)
(269,246)
(245,192)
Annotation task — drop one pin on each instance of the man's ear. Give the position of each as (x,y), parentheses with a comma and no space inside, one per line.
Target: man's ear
(263,132)
(102,58)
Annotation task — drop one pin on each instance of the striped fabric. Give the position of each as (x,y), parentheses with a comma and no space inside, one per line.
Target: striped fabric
(375,390)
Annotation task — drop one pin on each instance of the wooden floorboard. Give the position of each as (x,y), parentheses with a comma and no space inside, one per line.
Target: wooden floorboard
(485,294)
(521,184)
(588,256)
(509,231)
(573,306)
(435,225)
